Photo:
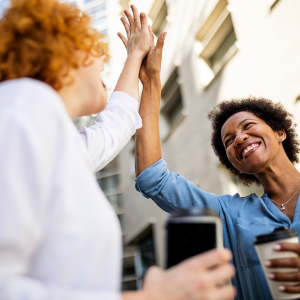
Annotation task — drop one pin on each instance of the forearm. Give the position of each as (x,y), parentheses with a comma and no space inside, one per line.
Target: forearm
(148,145)
(129,79)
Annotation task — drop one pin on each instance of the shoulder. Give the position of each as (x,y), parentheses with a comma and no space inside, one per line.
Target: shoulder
(29,96)
(33,110)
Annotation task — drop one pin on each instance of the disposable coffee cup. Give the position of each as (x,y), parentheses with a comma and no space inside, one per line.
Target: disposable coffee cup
(264,245)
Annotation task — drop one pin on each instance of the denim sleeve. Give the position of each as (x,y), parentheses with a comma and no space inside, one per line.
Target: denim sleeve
(172,191)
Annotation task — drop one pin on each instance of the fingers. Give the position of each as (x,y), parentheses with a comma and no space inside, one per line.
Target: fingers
(214,277)
(144,22)
(288,277)
(208,259)
(136,16)
(126,26)
(152,45)
(291,262)
(290,289)
(123,38)
(131,21)
(225,292)
(294,247)
(160,42)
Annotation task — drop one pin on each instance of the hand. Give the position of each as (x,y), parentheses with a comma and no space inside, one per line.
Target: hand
(138,37)
(196,278)
(286,263)
(152,62)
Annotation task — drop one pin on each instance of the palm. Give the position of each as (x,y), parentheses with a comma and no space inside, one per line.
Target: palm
(143,70)
(150,65)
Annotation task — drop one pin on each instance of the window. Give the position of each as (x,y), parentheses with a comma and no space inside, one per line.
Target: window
(158,14)
(115,201)
(87,1)
(147,252)
(172,108)
(109,180)
(109,183)
(100,22)
(217,38)
(137,259)
(96,9)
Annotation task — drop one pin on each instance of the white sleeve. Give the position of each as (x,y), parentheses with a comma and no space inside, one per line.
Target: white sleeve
(25,192)
(113,128)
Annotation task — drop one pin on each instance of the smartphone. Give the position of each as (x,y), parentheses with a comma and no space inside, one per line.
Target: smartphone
(191,232)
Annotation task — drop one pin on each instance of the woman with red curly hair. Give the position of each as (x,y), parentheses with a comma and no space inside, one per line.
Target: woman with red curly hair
(59,236)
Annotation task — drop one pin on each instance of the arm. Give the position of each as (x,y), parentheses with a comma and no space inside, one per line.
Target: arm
(169,191)
(112,130)
(137,45)
(148,146)
(118,122)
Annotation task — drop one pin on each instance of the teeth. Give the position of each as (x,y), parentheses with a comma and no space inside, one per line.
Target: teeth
(249,148)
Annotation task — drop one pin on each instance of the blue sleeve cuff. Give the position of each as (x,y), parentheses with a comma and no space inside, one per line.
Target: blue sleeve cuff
(152,179)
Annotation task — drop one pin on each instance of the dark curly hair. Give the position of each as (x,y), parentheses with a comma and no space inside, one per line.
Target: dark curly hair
(274,114)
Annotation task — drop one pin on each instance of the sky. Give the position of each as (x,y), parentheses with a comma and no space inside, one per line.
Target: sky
(3,4)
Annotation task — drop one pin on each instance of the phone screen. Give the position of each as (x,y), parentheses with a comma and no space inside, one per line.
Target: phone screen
(188,239)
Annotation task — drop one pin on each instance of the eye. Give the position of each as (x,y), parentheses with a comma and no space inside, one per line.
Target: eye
(228,142)
(249,125)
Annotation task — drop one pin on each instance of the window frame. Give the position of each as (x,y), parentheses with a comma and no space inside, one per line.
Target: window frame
(213,33)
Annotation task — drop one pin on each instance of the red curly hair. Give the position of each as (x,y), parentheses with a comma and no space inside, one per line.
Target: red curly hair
(41,39)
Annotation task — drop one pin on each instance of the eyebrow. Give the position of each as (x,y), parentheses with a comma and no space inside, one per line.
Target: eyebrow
(241,123)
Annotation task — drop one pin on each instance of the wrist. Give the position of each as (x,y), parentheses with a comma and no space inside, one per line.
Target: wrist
(136,55)
(153,79)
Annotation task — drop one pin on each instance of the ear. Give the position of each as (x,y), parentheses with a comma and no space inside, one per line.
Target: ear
(281,135)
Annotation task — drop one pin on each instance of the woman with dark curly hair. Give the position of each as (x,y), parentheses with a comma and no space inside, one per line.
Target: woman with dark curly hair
(255,139)
(59,236)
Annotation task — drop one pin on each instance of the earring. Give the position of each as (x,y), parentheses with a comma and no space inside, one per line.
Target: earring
(280,140)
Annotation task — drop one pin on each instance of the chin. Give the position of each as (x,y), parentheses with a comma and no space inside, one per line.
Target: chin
(254,167)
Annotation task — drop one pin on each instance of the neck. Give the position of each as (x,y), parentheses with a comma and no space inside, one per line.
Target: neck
(280,180)
(71,99)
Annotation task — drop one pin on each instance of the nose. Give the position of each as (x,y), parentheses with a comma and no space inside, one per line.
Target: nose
(240,139)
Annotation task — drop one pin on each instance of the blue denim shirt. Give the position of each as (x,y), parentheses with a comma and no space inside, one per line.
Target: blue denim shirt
(243,218)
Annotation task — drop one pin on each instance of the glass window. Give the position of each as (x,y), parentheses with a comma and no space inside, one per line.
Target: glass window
(223,49)
(160,21)
(115,201)
(129,285)
(96,9)
(100,22)
(175,110)
(109,183)
(87,1)
(147,252)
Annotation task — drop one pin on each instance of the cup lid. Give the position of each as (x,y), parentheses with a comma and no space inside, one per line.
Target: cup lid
(280,233)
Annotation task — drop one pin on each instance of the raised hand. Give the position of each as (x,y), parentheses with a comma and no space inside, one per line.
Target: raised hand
(138,37)
(291,277)
(152,62)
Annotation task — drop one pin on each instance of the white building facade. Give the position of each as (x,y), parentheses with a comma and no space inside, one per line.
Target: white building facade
(215,50)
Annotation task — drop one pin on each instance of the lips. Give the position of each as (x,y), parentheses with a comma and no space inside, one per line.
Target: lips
(248,149)
(103,84)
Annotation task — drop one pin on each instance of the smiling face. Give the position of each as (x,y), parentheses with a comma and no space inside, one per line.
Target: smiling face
(250,144)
